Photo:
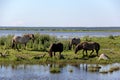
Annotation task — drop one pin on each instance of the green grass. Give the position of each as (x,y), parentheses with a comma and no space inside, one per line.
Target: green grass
(37,52)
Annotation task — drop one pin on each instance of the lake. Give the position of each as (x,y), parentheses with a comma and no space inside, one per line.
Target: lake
(60,34)
(67,72)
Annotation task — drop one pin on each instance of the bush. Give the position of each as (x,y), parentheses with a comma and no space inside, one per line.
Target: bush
(87,38)
(111,37)
(6,41)
(42,42)
(65,44)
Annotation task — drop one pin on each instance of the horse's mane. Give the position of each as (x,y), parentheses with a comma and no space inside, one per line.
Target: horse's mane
(28,35)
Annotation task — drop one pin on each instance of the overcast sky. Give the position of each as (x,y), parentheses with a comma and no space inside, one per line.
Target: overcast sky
(71,13)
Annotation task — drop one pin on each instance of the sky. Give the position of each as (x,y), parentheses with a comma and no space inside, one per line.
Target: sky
(62,13)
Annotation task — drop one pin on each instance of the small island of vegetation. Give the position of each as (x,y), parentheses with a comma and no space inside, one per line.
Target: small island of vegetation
(37,52)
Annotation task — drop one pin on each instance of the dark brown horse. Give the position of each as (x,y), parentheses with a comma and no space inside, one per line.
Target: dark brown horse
(73,42)
(55,47)
(22,40)
(88,46)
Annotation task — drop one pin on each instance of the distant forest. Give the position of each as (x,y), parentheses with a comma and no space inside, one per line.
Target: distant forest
(62,28)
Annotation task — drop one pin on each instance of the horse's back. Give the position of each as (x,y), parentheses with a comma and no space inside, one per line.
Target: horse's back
(75,41)
(16,38)
(19,39)
(90,45)
(56,47)
(97,45)
(59,46)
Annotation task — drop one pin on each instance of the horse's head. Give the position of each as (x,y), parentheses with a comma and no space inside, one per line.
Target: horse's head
(50,50)
(78,47)
(30,36)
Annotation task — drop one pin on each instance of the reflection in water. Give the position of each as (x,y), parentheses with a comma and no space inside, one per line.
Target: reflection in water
(67,72)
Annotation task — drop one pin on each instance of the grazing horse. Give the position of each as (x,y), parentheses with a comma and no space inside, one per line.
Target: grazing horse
(73,42)
(88,46)
(22,40)
(55,47)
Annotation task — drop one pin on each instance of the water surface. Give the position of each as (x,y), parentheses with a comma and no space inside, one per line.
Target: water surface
(60,34)
(42,72)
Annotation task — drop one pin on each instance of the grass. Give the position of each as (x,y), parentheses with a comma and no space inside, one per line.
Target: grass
(37,52)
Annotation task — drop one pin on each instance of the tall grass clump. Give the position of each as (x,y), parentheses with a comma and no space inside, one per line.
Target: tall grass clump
(5,41)
(87,38)
(65,44)
(42,42)
(111,37)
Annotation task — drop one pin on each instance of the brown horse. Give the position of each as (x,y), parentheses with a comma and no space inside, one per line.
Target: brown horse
(88,46)
(73,42)
(22,40)
(55,47)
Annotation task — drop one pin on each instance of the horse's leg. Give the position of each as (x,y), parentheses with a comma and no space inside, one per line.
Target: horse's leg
(97,52)
(13,45)
(25,46)
(91,52)
(54,53)
(83,53)
(50,54)
(86,52)
(17,47)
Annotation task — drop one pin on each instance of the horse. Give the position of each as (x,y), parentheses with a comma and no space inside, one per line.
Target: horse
(73,42)
(22,40)
(88,46)
(55,47)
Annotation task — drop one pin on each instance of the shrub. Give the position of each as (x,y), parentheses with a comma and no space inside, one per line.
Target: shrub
(87,38)
(111,37)
(42,42)
(6,41)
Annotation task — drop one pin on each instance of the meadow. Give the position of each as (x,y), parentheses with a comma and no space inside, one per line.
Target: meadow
(37,52)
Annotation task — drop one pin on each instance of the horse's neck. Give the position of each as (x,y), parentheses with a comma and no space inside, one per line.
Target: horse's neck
(25,39)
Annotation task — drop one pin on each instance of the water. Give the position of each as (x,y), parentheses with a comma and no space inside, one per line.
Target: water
(60,34)
(42,72)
